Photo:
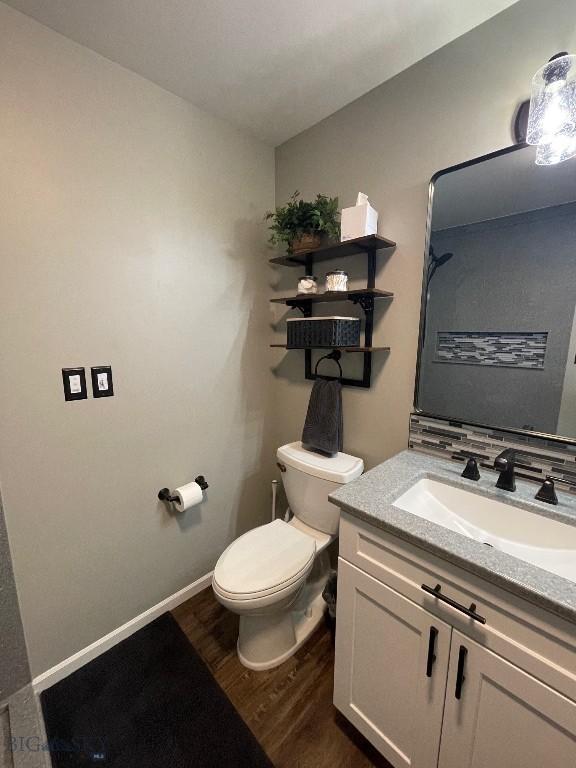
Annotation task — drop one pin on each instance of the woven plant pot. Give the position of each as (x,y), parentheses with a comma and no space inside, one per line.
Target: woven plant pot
(305,242)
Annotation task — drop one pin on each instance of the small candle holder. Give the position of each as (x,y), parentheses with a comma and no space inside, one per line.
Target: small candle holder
(337,281)
(308,284)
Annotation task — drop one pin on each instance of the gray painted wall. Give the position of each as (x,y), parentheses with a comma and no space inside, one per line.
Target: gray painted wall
(516,273)
(118,202)
(132,235)
(454,105)
(14,668)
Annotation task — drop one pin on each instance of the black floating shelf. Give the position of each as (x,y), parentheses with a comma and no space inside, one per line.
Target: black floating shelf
(365,297)
(322,298)
(335,251)
(342,349)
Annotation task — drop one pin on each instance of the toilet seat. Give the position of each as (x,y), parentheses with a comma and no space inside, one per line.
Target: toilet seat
(264,561)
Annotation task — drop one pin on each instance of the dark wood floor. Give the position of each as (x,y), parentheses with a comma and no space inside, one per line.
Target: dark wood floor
(289,709)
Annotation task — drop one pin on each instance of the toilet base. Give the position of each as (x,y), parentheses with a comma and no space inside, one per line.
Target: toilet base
(268,639)
(281,634)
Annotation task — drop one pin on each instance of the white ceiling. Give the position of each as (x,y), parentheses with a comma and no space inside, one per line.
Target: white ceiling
(272,67)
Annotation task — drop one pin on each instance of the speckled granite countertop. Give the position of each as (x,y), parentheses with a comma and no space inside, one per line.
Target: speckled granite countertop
(371,498)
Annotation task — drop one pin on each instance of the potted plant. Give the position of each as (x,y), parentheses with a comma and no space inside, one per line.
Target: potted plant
(301,224)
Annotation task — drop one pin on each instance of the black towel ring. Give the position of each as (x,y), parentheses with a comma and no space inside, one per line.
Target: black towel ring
(334,355)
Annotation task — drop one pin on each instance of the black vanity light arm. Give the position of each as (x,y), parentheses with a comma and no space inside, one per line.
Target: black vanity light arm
(471,611)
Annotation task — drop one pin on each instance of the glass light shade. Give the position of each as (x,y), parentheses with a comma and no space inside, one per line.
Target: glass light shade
(560,149)
(552,118)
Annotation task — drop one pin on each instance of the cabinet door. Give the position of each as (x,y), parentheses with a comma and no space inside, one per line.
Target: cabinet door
(503,718)
(387,681)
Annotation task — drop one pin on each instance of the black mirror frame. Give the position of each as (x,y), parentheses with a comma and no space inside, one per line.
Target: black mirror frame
(459,420)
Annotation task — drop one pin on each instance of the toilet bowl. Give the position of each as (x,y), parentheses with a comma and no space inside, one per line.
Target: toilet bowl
(273,576)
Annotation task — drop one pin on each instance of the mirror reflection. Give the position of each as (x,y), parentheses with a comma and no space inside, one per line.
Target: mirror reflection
(498,341)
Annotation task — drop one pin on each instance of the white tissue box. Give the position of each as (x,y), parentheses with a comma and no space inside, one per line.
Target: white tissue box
(358,221)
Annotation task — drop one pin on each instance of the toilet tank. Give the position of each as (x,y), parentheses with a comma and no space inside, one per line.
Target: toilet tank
(309,477)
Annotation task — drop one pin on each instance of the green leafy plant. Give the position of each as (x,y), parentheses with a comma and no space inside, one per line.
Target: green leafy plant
(299,217)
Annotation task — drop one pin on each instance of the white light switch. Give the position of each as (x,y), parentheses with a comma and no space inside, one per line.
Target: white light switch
(102,383)
(74,383)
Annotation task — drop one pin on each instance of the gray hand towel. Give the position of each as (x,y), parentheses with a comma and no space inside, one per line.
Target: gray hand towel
(323,428)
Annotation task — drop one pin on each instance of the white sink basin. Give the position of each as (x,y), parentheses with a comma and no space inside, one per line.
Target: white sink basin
(537,539)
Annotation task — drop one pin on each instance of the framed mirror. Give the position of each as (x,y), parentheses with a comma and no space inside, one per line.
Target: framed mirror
(498,326)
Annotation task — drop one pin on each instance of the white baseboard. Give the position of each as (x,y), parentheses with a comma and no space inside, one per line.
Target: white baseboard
(71,664)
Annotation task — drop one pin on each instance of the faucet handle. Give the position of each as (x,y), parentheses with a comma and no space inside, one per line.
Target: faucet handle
(547,492)
(471,471)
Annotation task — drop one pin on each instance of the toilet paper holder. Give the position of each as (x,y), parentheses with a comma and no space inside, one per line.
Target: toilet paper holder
(165,494)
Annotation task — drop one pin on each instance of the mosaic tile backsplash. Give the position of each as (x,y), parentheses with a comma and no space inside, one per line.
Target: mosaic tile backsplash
(511,350)
(458,441)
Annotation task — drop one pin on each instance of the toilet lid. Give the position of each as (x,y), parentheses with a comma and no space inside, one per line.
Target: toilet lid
(263,559)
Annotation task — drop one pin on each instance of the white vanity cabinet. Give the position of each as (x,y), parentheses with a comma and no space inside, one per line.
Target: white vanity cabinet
(428,685)
(392,661)
(504,717)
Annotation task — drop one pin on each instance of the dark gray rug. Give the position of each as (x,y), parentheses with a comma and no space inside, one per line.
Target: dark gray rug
(149,702)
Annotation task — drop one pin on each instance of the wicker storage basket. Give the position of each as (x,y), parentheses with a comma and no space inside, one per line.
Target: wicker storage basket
(308,332)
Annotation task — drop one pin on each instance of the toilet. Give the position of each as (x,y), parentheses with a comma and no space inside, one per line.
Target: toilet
(273,576)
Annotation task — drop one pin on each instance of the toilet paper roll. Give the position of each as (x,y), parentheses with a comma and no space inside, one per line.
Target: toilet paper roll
(188,496)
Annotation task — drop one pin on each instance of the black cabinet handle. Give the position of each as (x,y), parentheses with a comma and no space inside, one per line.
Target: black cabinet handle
(471,612)
(431,648)
(460,677)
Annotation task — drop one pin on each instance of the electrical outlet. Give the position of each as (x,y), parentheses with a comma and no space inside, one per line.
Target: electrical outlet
(74,380)
(102,384)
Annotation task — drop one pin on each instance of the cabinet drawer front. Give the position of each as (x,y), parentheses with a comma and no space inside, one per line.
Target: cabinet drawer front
(534,640)
(503,718)
(406,569)
(390,670)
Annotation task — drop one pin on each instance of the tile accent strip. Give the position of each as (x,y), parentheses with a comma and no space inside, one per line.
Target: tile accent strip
(458,441)
(509,350)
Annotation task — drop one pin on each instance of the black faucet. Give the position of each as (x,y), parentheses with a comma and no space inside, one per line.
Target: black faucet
(505,463)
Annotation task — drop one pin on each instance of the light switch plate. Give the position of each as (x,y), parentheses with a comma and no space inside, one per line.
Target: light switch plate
(74,380)
(102,384)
